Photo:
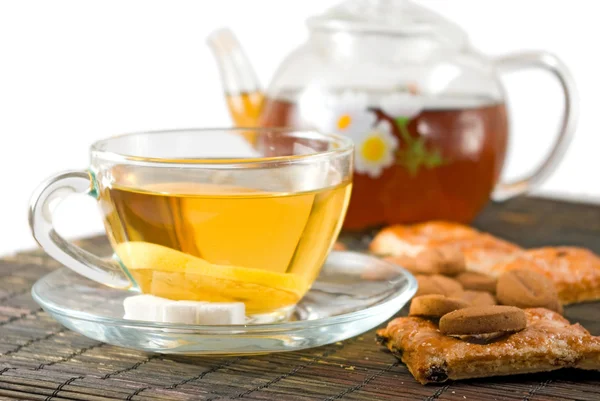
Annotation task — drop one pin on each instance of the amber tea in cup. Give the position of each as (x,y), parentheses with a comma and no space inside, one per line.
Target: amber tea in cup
(203,215)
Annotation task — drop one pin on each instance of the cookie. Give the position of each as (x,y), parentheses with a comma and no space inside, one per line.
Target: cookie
(527,288)
(435,305)
(477,281)
(477,298)
(483,320)
(437,284)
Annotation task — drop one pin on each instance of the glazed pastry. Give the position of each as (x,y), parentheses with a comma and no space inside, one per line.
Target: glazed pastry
(445,260)
(484,251)
(575,272)
(481,251)
(549,342)
(412,239)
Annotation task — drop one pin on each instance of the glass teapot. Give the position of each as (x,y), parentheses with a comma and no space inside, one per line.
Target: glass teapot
(425,110)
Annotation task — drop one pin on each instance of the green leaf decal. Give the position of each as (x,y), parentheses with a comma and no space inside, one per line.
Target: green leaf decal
(415,154)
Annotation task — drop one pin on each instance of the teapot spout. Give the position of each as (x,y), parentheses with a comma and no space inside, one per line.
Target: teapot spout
(242,89)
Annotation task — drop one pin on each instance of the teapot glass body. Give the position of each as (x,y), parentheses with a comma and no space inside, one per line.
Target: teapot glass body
(426,111)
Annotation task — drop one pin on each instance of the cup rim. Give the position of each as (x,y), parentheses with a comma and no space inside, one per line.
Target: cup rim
(345,145)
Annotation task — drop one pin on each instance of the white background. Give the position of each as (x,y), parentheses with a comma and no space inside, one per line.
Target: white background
(75,71)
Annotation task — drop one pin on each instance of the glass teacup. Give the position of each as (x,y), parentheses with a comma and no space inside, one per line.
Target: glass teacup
(225,215)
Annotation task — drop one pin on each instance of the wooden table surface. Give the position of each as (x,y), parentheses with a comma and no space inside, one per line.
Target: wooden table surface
(41,360)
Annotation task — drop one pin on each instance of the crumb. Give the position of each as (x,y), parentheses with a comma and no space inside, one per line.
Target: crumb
(349,368)
(366,358)
(338,343)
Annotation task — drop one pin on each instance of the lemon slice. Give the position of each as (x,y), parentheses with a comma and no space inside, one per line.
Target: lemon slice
(168,273)
(257,298)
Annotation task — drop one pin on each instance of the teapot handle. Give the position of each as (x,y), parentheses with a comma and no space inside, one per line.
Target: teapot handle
(550,63)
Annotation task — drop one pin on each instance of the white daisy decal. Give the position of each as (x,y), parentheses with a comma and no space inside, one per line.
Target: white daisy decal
(404,105)
(374,149)
(347,114)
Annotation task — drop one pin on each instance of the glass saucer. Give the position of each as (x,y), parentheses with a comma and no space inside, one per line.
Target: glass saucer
(353,294)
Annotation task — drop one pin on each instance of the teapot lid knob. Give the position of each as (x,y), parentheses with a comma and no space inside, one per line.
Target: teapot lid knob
(401,17)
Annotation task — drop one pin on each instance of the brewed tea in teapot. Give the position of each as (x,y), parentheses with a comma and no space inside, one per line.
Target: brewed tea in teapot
(403,175)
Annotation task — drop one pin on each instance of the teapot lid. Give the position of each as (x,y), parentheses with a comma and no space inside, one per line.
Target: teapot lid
(400,17)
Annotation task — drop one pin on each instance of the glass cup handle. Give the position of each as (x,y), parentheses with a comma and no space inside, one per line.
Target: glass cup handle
(550,63)
(55,189)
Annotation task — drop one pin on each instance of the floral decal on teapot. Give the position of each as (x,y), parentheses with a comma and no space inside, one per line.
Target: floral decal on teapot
(375,143)
(377,146)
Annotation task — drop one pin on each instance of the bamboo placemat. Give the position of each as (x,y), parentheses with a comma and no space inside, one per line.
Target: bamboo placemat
(41,360)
